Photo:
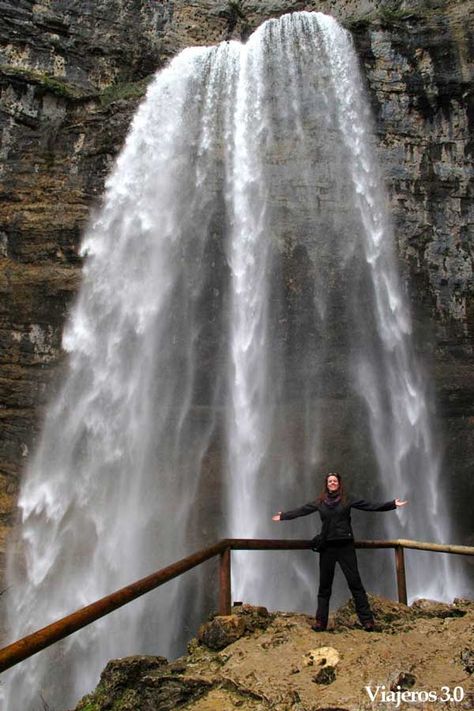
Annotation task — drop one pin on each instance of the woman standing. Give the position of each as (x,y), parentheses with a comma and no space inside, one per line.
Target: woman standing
(335,511)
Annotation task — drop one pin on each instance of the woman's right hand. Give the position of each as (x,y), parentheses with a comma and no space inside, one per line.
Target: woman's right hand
(277,517)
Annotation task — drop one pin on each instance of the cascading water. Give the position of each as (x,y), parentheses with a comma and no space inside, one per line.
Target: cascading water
(240,324)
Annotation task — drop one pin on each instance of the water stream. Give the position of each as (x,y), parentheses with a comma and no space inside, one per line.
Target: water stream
(240,328)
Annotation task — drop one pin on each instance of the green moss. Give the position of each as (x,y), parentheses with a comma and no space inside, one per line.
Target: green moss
(115,700)
(128,701)
(86,705)
(393,16)
(235,6)
(353,23)
(93,701)
(124,90)
(58,87)
(65,90)
(384,15)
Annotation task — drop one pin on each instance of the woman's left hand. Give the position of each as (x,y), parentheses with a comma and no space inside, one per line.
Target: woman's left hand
(399,502)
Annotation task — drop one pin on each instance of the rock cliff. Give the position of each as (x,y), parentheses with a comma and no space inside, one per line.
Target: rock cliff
(71,75)
(255,660)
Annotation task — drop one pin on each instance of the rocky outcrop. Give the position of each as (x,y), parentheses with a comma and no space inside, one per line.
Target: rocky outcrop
(146,683)
(285,666)
(223,630)
(70,79)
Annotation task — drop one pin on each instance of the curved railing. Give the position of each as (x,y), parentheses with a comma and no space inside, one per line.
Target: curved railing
(45,637)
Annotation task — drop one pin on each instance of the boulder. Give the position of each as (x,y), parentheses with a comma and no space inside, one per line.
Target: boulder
(142,683)
(433,608)
(467,660)
(221,631)
(322,657)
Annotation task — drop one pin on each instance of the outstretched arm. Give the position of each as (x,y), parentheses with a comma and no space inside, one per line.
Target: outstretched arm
(295,513)
(364,505)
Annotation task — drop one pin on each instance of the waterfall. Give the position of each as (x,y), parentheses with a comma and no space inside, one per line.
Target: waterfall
(240,328)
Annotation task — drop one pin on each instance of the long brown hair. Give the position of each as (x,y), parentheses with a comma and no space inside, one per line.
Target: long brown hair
(325,491)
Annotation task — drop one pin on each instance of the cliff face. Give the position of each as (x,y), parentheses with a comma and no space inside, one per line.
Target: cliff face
(71,76)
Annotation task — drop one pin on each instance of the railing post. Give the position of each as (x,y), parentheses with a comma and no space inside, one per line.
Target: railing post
(401,578)
(225,595)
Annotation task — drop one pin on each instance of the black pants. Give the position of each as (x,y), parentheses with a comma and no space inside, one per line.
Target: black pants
(342,552)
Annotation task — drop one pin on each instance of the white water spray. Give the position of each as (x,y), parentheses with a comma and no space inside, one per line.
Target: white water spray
(240,322)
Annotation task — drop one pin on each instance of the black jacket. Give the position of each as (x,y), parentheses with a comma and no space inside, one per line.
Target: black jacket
(337,519)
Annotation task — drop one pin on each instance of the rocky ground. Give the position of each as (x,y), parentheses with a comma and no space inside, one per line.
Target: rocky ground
(255,660)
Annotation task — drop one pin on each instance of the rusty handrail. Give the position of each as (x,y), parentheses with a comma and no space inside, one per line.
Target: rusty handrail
(418,545)
(275,544)
(46,636)
(31,644)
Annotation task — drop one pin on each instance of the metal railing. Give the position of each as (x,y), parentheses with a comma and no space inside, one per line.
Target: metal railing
(31,644)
